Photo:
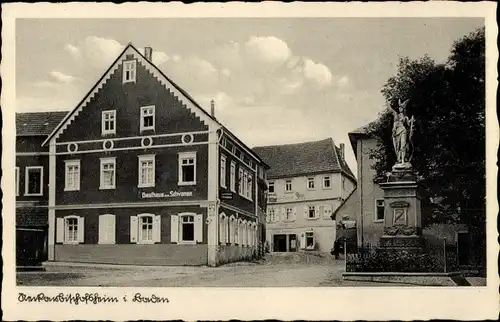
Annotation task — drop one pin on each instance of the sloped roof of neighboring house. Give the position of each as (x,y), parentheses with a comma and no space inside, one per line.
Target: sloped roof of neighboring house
(38,123)
(356,134)
(352,195)
(303,158)
(188,97)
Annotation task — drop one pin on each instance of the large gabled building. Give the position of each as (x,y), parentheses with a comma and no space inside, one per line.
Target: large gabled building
(306,183)
(139,173)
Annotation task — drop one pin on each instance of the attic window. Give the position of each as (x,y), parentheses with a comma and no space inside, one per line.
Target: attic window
(129,71)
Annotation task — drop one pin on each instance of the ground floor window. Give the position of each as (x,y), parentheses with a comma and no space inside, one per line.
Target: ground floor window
(186,228)
(310,240)
(70,229)
(145,229)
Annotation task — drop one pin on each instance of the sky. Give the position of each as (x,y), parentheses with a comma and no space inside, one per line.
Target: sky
(274,80)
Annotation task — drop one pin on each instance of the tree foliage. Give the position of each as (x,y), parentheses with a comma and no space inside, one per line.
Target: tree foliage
(448,102)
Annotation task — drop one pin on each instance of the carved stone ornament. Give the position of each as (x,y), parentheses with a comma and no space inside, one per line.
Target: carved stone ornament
(401,230)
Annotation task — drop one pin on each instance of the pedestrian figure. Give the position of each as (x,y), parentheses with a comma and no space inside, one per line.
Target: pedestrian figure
(336,249)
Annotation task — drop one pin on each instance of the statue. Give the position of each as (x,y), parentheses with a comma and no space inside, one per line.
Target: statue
(402,132)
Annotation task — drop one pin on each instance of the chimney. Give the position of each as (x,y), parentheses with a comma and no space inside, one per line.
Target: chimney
(148,53)
(342,150)
(212,108)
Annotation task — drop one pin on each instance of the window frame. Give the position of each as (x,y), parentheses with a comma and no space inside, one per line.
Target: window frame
(232,176)
(143,109)
(66,229)
(288,218)
(223,171)
(329,182)
(68,163)
(240,181)
(269,184)
(286,186)
(181,231)
(376,219)
(103,122)
(132,64)
(103,162)
(313,208)
(26,174)
(311,233)
(141,159)
(309,180)
(184,156)
(140,240)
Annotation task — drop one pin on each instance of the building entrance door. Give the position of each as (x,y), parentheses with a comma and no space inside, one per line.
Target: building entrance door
(279,243)
(292,246)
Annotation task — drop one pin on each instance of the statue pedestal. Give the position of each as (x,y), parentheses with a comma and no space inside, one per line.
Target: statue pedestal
(402,217)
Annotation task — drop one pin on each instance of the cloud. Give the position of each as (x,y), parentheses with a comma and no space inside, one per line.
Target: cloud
(73,50)
(343,81)
(267,50)
(61,77)
(316,72)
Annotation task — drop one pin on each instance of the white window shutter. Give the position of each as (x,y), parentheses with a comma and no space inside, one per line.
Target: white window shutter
(111,229)
(198,228)
(134,229)
(283,214)
(81,229)
(306,211)
(322,209)
(316,211)
(59,230)
(157,229)
(294,215)
(303,240)
(102,229)
(174,228)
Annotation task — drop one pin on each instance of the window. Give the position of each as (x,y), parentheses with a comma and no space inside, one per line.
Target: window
(108,122)
(187,168)
(232,179)
(70,229)
(147,118)
(288,185)
(310,183)
(222,229)
(187,229)
(129,68)
(249,186)
(223,171)
(379,209)
(289,214)
(108,173)
(271,187)
(146,228)
(271,215)
(312,212)
(17,181)
(34,181)
(72,175)
(240,181)
(146,171)
(327,182)
(310,240)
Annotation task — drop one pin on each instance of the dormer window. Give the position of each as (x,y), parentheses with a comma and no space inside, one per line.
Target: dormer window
(147,118)
(108,122)
(129,71)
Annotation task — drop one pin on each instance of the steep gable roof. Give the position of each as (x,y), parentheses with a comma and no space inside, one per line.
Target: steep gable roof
(190,103)
(303,158)
(38,123)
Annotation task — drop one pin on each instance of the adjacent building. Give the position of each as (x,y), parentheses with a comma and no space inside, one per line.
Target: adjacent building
(32,177)
(139,173)
(306,184)
(366,206)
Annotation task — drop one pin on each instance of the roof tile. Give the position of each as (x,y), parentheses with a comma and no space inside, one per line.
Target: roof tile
(37,123)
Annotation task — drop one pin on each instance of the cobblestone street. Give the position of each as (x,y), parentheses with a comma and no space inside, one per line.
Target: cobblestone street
(276,271)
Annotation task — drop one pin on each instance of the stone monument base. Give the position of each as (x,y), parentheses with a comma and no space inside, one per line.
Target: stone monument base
(398,244)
